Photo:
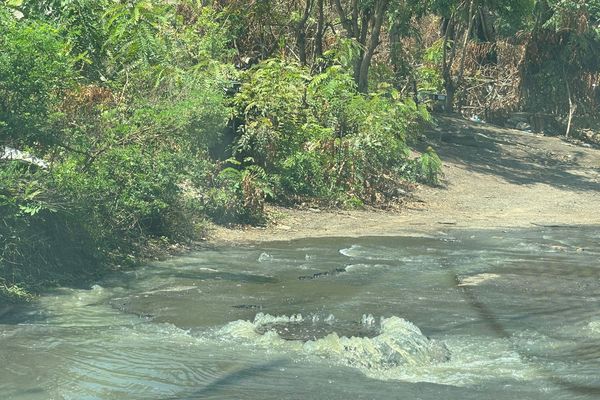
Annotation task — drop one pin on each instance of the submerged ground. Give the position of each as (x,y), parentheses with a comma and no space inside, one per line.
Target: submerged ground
(494,178)
(466,314)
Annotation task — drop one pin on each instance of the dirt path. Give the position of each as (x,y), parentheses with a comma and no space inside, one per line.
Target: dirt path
(494,178)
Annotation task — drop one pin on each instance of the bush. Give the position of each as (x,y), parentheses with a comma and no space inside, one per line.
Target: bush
(427,168)
(239,195)
(125,127)
(124,195)
(271,104)
(42,240)
(35,71)
(320,136)
(302,174)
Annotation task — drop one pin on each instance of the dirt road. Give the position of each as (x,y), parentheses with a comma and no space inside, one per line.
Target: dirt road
(494,178)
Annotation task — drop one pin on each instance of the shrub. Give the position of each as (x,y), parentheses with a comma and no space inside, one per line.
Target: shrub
(124,194)
(41,239)
(320,136)
(239,195)
(35,71)
(271,104)
(427,168)
(302,174)
(125,127)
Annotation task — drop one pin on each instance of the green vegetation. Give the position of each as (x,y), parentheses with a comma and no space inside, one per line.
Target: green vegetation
(319,137)
(153,118)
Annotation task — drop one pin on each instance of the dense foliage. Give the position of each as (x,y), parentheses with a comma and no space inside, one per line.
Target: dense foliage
(139,121)
(125,118)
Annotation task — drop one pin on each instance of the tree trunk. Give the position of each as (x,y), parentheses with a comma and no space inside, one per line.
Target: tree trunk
(572,105)
(450,91)
(362,33)
(301,43)
(461,68)
(301,32)
(447,61)
(346,23)
(363,80)
(395,50)
(320,30)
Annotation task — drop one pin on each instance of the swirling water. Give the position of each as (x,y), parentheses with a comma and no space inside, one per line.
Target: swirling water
(456,315)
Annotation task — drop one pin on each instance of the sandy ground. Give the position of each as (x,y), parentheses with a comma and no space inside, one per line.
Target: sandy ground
(494,178)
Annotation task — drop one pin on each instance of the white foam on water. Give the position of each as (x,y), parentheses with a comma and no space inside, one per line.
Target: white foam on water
(475,280)
(265,257)
(472,362)
(370,253)
(352,251)
(594,327)
(171,289)
(399,352)
(368,320)
(398,344)
(362,267)
(330,319)
(205,269)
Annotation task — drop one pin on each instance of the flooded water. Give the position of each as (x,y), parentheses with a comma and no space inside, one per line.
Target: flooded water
(457,315)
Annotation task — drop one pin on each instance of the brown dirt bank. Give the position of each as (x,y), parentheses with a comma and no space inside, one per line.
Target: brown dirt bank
(494,178)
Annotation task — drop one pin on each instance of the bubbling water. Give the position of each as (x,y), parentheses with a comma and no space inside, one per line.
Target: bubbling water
(371,346)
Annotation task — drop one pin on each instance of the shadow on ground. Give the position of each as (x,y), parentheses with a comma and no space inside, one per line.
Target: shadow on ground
(517,157)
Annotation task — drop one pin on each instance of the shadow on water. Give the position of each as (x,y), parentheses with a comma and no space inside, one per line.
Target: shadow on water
(18,314)
(231,379)
(494,323)
(582,350)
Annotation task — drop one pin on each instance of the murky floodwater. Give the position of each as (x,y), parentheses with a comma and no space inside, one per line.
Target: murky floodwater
(461,315)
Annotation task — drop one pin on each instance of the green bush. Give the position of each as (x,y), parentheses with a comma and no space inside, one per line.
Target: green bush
(41,240)
(271,103)
(124,195)
(35,72)
(302,174)
(427,168)
(239,195)
(126,110)
(331,96)
(320,136)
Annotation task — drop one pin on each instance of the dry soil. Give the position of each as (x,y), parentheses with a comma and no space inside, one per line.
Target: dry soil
(494,178)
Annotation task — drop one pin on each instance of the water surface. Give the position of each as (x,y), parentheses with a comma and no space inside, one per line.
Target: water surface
(457,315)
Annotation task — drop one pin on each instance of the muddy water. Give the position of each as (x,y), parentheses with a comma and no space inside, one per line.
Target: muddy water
(457,315)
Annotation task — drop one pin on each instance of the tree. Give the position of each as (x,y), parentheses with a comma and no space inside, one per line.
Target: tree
(36,70)
(463,21)
(562,52)
(362,20)
(456,17)
(300,31)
